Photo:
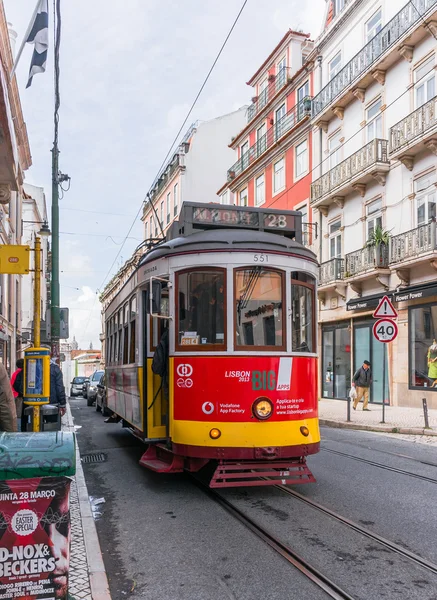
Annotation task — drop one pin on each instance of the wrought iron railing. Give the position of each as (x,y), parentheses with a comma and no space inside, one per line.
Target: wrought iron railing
(274,133)
(411,14)
(165,177)
(331,270)
(413,243)
(276,82)
(413,126)
(370,154)
(366,259)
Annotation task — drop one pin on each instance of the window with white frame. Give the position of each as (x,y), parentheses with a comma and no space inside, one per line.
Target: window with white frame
(338,6)
(244,155)
(424,82)
(262,93)
(224,197)
(146,230)
(373,25)
(281,72)
(425,190)
(302,93)
(168,207)
(162,212)
(302,158)
(243,197)
(156,226)
(261,140)
(334,149)
(175,200)
(373,216)
(278,175)
(260,190)
(374,120)
(335,65)
(335,239)
(279,114)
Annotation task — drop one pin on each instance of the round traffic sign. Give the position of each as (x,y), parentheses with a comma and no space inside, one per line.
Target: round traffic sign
(385,330)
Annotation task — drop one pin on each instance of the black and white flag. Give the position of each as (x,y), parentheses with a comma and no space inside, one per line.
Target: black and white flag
(39,36)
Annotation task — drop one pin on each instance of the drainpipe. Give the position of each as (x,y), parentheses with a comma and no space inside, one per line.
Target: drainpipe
(319,60)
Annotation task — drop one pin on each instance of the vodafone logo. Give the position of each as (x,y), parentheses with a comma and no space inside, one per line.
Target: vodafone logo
(208,408)
(184,370)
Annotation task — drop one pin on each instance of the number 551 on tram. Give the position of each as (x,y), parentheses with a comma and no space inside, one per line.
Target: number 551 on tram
(224,310)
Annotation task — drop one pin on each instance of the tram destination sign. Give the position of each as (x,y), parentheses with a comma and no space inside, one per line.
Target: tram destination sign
(201,216)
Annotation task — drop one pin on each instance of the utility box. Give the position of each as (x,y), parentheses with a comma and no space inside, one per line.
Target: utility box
(37,375)
(35,477)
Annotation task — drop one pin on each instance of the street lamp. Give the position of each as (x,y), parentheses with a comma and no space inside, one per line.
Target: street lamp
(45,232)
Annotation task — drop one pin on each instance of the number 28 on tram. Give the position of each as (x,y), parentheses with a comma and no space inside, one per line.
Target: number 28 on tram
(227,313)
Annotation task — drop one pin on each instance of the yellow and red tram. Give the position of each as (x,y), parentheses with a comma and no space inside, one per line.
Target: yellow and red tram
(234,290)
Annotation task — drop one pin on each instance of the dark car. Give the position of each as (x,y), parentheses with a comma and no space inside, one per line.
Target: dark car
(77,386)
(101,398)
(85,386)
(92,387)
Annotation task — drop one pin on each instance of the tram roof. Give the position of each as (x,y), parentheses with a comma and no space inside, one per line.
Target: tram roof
(227,239)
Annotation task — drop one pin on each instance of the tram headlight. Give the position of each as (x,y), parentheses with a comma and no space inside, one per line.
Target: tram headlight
(304,431)
(215,433)
(262,408)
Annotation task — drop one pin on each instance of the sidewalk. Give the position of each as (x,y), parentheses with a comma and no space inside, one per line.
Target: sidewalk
(333,413)
(88,579)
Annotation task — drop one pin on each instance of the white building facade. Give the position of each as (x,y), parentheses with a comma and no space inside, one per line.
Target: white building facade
(375,189)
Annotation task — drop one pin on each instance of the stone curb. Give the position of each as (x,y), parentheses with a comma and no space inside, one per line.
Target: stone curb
(381,428)
(96,568)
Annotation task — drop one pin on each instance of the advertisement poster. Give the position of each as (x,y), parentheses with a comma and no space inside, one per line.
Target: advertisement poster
(225,388)
(34,538)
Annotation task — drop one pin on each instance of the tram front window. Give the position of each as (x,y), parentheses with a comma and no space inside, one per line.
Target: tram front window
(201,311)
(258,306)
(302,313)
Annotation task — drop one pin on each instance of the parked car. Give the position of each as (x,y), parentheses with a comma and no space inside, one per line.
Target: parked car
(76,388)
(85,386)
(101,398)
(92,387)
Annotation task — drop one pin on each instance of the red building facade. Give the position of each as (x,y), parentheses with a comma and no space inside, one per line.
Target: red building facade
(273,151)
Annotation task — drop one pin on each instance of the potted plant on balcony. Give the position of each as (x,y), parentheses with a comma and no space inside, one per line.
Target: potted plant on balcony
(271,78)
(379,239)
(307,105)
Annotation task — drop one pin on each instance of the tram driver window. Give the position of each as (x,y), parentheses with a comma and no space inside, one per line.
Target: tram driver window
(201,308)
(258,301)
(302,312)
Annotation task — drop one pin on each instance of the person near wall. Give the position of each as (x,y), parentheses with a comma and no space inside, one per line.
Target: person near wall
(361,381)
(57,389)
(17,389)
(432,363)
(8,412)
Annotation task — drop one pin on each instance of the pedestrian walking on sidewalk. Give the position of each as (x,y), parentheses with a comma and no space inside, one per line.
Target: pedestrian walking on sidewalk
(361,381)
(8,412)
(17,382)
(57,389)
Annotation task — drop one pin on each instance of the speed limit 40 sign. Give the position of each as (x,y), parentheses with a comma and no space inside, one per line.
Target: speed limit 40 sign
(385,330)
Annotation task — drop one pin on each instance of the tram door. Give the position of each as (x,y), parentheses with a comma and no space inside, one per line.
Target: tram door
(156,396)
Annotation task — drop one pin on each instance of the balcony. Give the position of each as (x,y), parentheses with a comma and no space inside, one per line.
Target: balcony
(352,174)
(276,83)
(297,114)
(165,177)
(375,57)
(414,133)
(411,248)
(331,277)
(366,263)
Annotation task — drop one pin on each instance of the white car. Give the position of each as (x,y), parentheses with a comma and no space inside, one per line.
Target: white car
(92,387)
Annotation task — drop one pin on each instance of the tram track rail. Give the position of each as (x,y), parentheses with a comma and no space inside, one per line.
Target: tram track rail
(404,552)
(303,566)
(380,465)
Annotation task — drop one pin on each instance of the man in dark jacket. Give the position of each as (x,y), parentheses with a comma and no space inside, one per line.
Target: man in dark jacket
(361,381)
(57,389)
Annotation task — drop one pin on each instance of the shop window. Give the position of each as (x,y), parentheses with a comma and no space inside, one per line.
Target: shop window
(423,344)
(374,120)
(336,362)
(201,310)
(424,82)
(302,313)
(335,239)
(425,191)
(258,309)
(373,216)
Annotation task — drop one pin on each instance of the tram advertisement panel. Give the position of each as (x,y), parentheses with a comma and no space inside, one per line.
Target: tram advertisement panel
(224,388)
(34,538)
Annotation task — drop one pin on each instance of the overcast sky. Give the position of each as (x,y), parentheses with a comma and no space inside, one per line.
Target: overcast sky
(129,72)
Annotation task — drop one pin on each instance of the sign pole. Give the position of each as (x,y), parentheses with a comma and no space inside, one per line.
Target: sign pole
(383,383)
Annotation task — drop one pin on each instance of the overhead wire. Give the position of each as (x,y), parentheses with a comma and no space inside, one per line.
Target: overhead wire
(172,146)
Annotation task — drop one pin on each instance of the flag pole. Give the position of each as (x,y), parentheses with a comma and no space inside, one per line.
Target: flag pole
(26,35)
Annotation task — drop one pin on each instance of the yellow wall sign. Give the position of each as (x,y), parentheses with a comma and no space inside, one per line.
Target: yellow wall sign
(14,260)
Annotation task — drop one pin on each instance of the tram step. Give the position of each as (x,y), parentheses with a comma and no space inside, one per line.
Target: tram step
(161,460)
(256,473)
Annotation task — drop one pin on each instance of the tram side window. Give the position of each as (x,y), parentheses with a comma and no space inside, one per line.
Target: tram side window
(133,314)
(258,308)
(126,335)
(202,308)
(302,312)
